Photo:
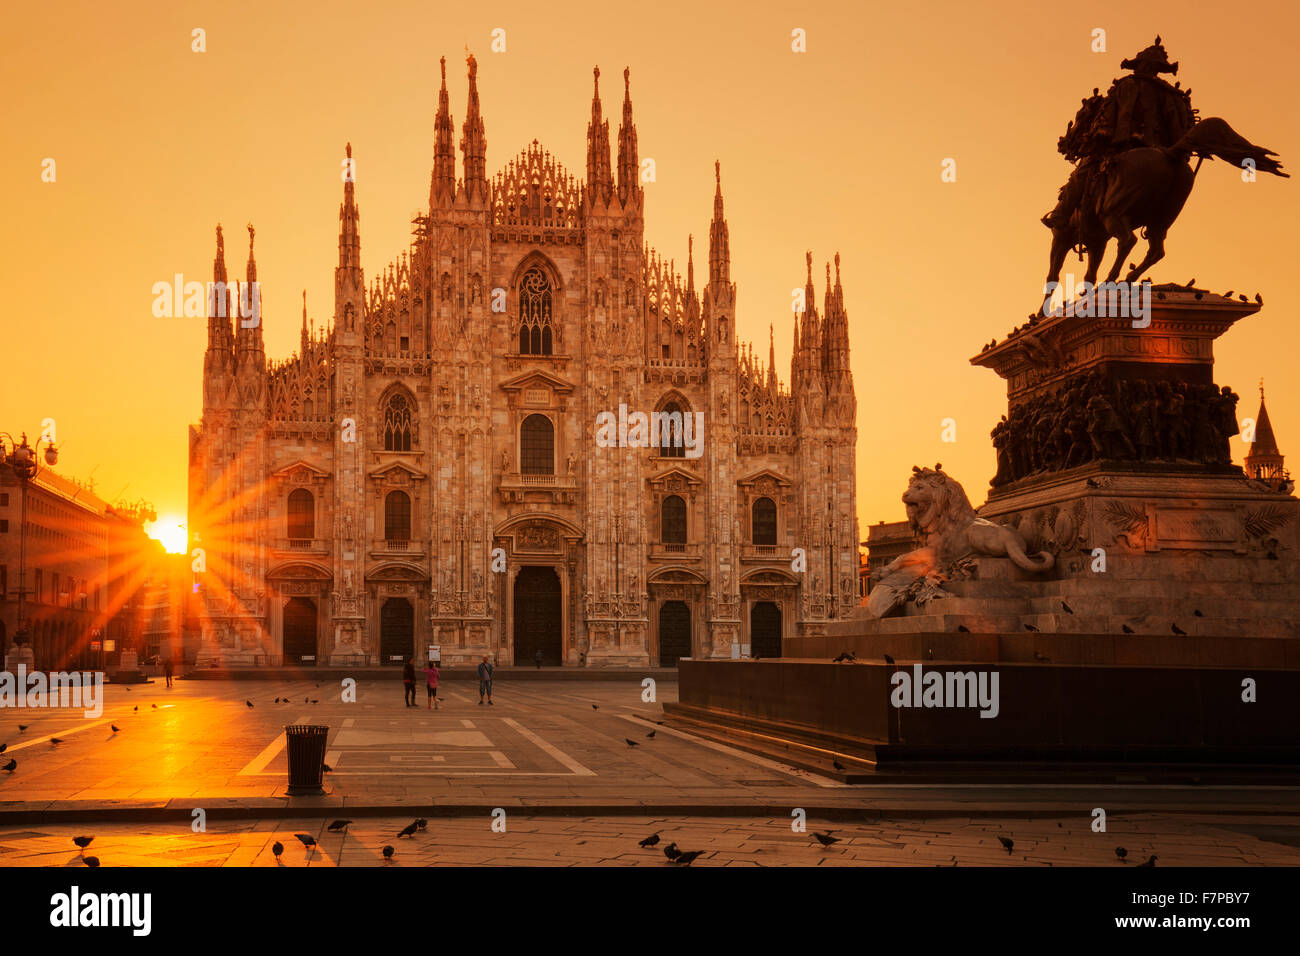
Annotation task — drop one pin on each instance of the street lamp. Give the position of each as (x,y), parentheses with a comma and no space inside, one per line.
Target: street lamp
(25,462)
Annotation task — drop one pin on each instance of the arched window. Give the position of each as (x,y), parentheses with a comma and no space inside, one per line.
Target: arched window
(537,446)
(302,515)
(670,431)
(673,515)
(764,513)
(397,516)
(397,423)
(534,313)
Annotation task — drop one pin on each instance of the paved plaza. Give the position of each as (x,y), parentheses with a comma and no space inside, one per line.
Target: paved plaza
(554,758)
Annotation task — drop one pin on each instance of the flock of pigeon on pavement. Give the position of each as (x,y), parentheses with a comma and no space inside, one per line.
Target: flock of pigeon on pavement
(672,852)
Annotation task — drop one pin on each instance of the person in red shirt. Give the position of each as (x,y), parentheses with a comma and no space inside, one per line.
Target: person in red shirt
(431,684)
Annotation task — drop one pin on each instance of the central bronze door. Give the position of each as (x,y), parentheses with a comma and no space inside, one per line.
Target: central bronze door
(538,617)
(396,631)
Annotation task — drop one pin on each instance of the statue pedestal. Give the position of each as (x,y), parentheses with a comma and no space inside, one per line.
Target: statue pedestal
(20,655)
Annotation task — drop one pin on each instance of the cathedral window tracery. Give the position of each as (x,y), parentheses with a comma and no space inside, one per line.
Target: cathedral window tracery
(302,515)
(535,313)
(672,514)
(763,516)
(397,423)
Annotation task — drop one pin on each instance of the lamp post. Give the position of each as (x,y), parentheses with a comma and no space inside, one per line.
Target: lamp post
(24,459)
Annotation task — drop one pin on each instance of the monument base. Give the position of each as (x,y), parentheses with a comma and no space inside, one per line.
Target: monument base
(811,712)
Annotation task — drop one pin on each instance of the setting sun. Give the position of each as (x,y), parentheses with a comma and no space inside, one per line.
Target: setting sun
(170,530)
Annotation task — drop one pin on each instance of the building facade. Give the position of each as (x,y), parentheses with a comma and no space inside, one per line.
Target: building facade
(430,468)
(78,563)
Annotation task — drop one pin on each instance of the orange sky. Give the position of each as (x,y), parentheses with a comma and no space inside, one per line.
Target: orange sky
(835,149)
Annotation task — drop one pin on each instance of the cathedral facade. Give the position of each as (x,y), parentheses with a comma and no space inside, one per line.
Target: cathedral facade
(427,470)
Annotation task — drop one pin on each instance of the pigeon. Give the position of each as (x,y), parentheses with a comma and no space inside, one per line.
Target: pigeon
(1242,297)
(277,700)
(631,742)
(128,690)
(315,701)
(687,858)
(1178,630)
(1121,853)
(1150,862)
(83,842)
(659,722)
(825,839)
(422,823)
(1092,483)
(844,656)
(249,703)
(93,861)
(651,735)
(672,852)
(154,706)
(1228,294)
(594,707)
(1030,627)
(277,848)
(1259,299)
(889,660)
(307,840)
(651,840)
(836,763)
(1126,629)
(326,768)
(338,825)
(135,708)
(408,830)
(1193,282)
(963,628)
(1007,842)
(12,765)
(56,740)
(388,853)
(114,728)
(1066,608)
(1197,612)
(22,727)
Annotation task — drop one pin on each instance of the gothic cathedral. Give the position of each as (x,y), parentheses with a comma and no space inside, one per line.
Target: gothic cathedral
(427,470)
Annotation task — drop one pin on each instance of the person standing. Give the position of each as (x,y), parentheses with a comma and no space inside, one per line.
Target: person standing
(485,680)
(431,684)
(168,670)
(408,678)
(538,658)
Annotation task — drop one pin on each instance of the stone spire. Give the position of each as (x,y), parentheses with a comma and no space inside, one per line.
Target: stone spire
(248,337)
(628,163)
(473,142)
(442,189)
(600,180)
(719,239)
(771,357)
(349,223)
(220,312)
(1264,460)
(304,338)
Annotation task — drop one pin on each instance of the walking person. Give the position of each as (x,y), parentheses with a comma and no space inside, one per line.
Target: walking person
(168,670)
(485,681)
(408,678)
(538,658)
(431,684)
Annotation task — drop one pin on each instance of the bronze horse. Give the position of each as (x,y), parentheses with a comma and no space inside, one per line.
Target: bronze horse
(1145,188)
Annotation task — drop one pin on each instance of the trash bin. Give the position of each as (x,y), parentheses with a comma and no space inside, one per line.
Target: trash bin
(306,744)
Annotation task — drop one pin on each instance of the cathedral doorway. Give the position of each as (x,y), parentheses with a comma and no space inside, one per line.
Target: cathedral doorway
(538,617)
(674,632)
(765,630)
(396,631)
(300,631)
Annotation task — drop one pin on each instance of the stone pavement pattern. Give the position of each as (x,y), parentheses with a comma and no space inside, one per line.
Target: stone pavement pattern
(594,841)
(542,747)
